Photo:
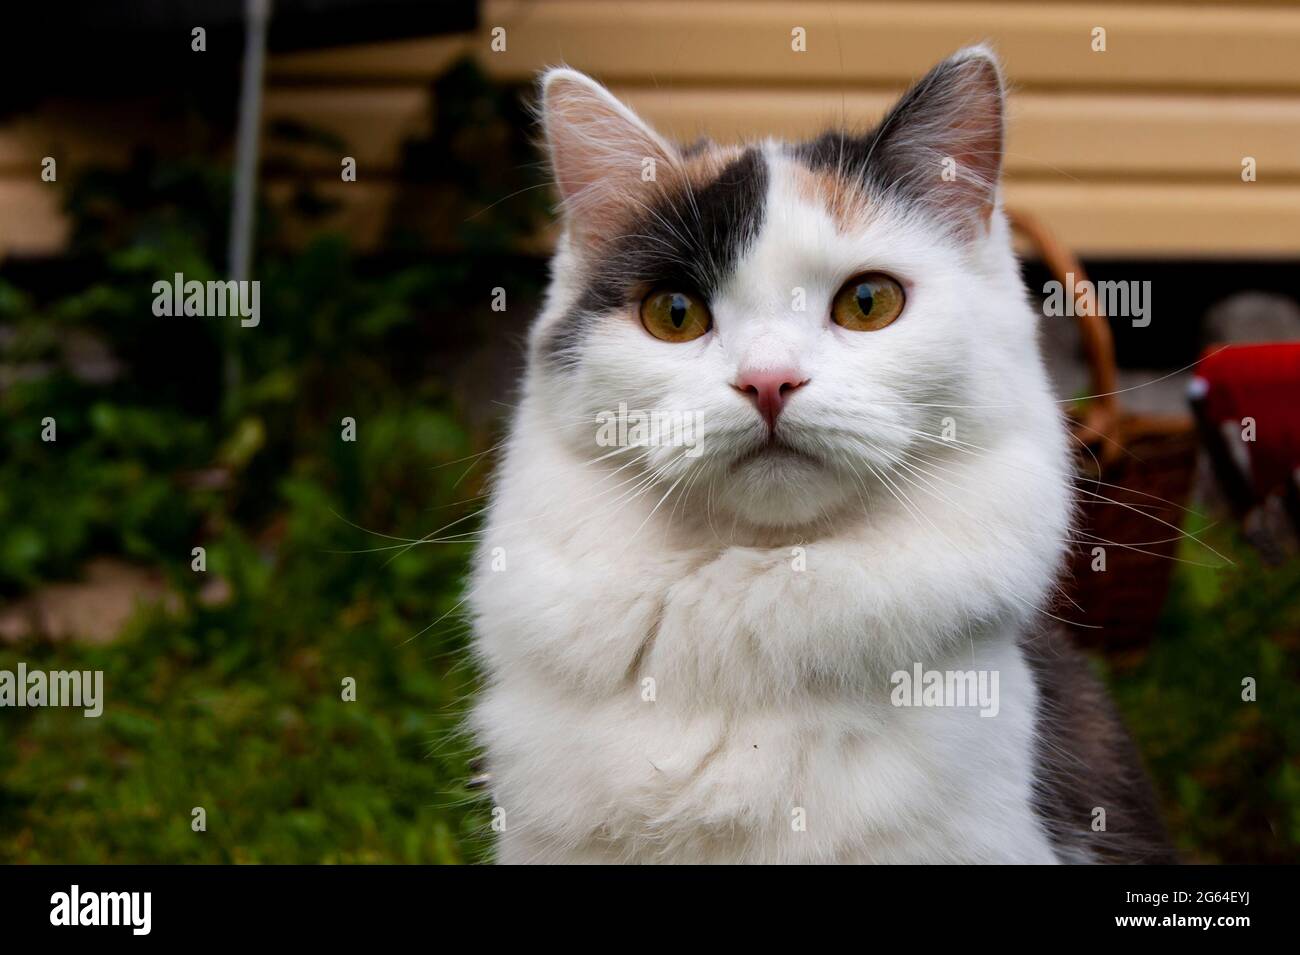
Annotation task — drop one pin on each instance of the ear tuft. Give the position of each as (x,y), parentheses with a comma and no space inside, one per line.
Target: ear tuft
(941,145)
(605,159)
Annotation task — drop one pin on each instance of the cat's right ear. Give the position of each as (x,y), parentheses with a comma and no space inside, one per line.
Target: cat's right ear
(606,161)
(941,144)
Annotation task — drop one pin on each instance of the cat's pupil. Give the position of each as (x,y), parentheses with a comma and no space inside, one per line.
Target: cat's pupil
(864,298)
(677,310)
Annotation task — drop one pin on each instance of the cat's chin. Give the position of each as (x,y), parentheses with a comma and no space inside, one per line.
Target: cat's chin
(782,487)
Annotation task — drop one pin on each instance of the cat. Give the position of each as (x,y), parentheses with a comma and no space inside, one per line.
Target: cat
(695,638)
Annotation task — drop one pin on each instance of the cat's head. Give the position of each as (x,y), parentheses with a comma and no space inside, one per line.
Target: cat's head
(805,318)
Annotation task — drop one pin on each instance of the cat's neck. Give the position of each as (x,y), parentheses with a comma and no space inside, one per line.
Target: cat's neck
(598,587)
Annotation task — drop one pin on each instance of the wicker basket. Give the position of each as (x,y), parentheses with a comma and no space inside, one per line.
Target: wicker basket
(1135,473)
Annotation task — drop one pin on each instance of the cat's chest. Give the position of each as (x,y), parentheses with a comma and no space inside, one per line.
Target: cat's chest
(807,780)
(730,705)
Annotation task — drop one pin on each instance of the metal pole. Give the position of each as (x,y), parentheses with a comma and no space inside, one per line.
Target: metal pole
(243,211)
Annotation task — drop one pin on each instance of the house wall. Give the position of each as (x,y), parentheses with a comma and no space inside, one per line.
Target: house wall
(1135,152)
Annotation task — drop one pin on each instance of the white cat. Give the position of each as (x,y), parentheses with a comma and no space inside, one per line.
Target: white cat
(693,646)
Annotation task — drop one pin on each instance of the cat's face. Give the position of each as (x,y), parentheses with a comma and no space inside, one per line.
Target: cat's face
(807,320)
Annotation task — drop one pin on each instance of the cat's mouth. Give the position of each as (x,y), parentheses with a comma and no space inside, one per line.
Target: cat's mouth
(774,452)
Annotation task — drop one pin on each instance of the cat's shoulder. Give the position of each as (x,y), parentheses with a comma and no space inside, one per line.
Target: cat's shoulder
(1090,787)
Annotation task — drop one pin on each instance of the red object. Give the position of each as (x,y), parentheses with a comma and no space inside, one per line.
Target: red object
(1259,382)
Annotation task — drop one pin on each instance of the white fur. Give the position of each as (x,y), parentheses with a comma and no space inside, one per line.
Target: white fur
(772,684)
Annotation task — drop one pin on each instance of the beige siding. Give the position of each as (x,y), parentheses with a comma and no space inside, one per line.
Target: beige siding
(1133,152)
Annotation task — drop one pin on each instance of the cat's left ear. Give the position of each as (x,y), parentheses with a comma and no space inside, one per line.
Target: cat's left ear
(941,145)
(606,160)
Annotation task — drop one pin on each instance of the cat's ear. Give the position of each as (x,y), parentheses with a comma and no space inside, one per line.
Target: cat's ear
(606,161)
(942,143)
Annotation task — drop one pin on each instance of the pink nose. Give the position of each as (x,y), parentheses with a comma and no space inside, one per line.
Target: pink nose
(769,389)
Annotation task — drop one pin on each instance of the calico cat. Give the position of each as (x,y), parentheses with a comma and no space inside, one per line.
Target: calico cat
(695,634)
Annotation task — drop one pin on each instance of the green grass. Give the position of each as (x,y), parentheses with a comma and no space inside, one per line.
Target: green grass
(239,709)
(1228,770)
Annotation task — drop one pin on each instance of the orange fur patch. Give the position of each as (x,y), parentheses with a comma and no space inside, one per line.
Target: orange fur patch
(841,198)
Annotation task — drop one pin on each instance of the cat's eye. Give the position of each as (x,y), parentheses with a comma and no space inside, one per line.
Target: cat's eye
(675,316)
(867,302)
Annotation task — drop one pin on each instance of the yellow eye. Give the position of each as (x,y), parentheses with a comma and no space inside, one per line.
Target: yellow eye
(868,302)
(675,316)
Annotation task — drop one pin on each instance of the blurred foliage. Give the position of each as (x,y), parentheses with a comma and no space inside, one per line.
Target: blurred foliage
(1228,770)
(233,701)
